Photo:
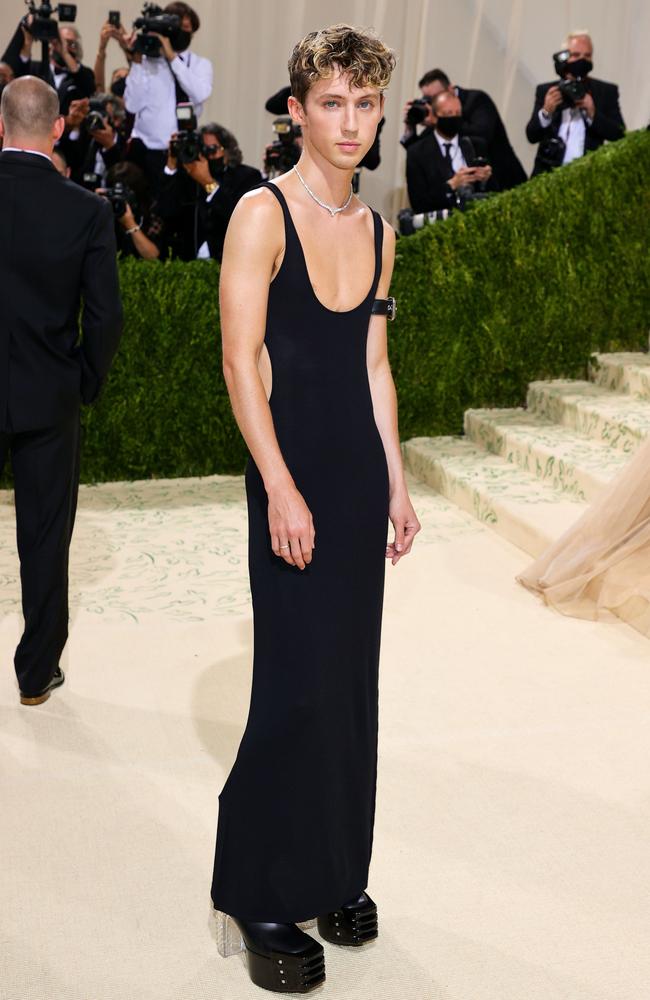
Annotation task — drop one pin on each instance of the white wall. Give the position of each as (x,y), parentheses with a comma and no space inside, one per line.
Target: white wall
(502,46)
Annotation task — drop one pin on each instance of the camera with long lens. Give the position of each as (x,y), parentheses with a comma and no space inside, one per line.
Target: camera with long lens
(154,19)
(282,154)
(418,111)
(410,222)
(120,196)
(572,90)
(187,145)
(95,120)
(44,27)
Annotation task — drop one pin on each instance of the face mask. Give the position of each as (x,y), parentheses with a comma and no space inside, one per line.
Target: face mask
(216,168)
(118,88)
(450,126)
(180,40)
(579,68)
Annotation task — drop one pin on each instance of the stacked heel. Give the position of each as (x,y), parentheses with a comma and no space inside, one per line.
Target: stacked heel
(278,971)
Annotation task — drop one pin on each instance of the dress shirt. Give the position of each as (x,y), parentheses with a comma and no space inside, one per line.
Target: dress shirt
(572,130)
(34,152)
(150,94)
(58,74)
(456,153)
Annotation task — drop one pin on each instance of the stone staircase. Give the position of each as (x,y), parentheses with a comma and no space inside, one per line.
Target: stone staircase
(528,473)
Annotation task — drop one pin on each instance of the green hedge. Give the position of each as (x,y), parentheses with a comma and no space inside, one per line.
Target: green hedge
(523,286)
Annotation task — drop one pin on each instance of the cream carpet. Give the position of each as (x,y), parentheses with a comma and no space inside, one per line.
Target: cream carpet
(511,853)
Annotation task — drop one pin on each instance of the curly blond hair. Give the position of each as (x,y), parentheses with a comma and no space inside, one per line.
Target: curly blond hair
(357,51)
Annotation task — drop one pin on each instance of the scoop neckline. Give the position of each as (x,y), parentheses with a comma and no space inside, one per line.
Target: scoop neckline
(334,312)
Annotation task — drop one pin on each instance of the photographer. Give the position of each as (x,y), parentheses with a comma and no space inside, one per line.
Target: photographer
(481,120)
(441,168)
(65,72)
(138,230)
(199,195)
(95,143)
(575,114)
(157,83)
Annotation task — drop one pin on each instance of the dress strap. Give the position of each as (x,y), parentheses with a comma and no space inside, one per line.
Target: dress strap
(278,194)
(379,247)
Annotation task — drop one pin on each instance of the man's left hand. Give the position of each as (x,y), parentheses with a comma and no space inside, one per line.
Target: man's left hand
(199,171)
(483,173)
(587,102)
(105,136)
(165,45)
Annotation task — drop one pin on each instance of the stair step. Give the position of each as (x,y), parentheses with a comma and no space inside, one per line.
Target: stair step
(627,372)
(569,462)
(617,420)
(527,512)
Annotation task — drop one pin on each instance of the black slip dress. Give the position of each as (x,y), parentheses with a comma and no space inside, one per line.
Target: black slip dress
(296,813)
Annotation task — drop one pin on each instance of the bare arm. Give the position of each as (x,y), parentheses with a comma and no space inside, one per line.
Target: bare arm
(384,402)
(253,242)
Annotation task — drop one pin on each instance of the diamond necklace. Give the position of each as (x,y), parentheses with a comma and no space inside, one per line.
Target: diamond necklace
(332,211)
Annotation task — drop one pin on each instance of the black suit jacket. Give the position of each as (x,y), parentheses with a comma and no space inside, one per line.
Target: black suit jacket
(426,178)
(57,250)
(482,120)
(607,124)
(190,220)
(72,87)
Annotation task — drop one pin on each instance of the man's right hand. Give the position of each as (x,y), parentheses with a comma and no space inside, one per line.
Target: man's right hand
(291,524)
(76,113)
(28,38)
(464,176)
(127,44)
(552,100)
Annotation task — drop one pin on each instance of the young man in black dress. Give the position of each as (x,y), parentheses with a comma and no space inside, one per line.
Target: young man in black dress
(306,364)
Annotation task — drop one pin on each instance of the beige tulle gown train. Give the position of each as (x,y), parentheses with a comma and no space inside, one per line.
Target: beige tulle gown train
(601,564)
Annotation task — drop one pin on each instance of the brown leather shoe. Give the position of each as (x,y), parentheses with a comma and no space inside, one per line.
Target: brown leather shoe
(38,699)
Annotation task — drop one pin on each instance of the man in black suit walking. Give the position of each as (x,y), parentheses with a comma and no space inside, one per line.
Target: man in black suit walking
(574,128)
(57,251)
(441,163)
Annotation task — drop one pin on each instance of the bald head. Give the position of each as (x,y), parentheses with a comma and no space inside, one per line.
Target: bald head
(30,112)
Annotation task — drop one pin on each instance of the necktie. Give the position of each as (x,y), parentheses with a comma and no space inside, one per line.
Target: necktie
(447,159)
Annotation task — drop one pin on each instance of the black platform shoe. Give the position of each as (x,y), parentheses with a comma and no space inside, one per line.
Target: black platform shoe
(280,957)
(355,923)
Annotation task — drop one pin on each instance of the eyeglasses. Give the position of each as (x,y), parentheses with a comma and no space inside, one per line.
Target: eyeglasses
(210,150)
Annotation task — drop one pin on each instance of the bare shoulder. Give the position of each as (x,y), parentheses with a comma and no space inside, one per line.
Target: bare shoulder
(256,227)
(258,208)
(389,236)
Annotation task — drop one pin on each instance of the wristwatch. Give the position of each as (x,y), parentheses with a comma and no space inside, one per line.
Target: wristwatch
(385,307)
(212,186)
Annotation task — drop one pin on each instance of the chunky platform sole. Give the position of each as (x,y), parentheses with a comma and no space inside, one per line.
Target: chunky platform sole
(280,972)
(351,926)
